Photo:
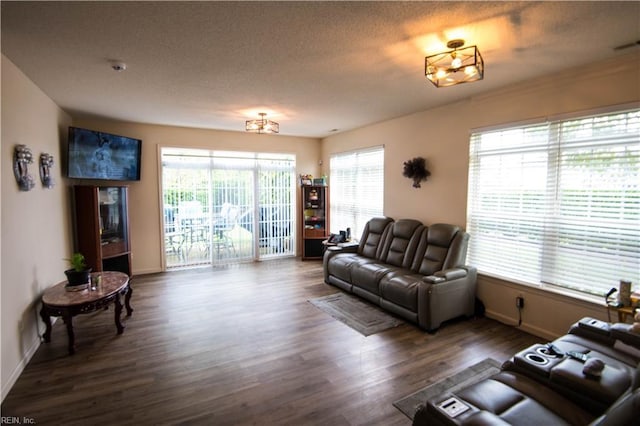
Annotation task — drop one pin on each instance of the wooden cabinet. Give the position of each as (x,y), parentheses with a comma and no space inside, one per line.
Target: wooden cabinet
(315,220)
(101,219)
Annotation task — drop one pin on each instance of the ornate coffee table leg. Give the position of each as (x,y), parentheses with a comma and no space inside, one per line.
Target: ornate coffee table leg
(47,322)
(127,300)
(68,320)
(118,310)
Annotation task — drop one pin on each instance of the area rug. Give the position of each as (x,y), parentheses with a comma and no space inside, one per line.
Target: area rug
(357,314)
(474,374)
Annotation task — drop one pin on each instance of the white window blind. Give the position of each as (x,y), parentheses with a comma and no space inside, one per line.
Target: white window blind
(356,184)
(558,203)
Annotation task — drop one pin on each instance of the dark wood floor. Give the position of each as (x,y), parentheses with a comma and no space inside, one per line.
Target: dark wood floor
(241,345)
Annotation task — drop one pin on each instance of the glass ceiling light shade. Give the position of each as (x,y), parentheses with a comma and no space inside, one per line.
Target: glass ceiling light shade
(460,65)
(262,125)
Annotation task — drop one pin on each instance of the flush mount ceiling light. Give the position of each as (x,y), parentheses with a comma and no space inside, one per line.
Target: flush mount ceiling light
(262,125)
(460,65)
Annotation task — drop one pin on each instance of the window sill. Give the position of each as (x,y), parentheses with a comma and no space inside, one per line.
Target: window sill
(556,293)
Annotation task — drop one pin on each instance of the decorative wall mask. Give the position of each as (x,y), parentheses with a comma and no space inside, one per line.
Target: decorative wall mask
(22,157)
(46,163)
(416,170)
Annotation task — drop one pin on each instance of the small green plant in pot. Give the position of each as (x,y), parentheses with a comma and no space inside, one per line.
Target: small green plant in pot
(79,274)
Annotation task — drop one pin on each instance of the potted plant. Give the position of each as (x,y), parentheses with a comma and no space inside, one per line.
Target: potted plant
(79,274)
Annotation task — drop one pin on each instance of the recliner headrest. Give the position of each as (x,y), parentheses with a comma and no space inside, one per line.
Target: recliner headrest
(377,224)
(405,228)
(441,234)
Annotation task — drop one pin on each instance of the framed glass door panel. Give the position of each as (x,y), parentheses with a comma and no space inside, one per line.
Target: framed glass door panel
(186,201)
(276,228)
(222,207)
(232,203)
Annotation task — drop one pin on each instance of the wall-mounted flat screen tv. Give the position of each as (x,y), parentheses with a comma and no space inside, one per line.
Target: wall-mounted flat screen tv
(99,155)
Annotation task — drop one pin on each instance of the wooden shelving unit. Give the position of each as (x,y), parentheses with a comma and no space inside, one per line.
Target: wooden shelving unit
(101,219)
(315,220)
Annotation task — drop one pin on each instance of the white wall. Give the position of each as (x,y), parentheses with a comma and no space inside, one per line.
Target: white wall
(35,229)
(441,135)
(144,197)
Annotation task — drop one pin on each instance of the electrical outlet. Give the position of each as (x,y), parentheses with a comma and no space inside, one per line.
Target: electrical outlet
(520,302)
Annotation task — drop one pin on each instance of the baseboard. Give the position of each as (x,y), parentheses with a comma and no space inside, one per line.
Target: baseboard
(536,331)
(21,366)
(146,271)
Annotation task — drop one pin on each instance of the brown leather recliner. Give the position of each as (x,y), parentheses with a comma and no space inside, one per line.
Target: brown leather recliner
(438,286)
(412,270)
(556,390)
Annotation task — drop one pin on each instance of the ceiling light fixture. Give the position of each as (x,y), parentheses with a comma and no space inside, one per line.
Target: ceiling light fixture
(262,125)
(460,65)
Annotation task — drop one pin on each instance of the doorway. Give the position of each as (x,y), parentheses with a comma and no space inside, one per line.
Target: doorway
(224,207)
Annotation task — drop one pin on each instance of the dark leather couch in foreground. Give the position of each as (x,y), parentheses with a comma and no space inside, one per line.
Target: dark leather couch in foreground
(415,271)
(541,387)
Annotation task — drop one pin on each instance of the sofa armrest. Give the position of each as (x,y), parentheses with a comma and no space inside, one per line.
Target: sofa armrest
(593,329)
(595,326)
(446,275)
(331,251)
(623,332)
(452,273)
(445,295)
(348,247)
(606,333)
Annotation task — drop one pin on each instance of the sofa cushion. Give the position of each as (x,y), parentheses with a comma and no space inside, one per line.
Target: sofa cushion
(551,401)
(492,396)
(401,243)
(606,389)
(607,353)
(368,275)
(516,399)
(436,249)
(401,288)
(373,235)
(341,264)
(625,411)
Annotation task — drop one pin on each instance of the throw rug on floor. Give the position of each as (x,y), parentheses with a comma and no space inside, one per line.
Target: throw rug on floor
(467,377)
(363,317)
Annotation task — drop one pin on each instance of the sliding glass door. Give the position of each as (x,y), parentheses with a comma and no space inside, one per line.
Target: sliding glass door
(226,207)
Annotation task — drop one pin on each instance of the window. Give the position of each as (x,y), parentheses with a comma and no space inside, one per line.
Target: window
(558,204)
(223,207)
(357,182)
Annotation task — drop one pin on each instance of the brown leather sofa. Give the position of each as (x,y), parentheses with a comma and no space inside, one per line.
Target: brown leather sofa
(539,386)
(414,271)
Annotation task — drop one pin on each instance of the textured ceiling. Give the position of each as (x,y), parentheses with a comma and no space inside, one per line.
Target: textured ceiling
(312,66)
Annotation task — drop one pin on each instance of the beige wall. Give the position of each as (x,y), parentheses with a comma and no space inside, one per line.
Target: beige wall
(436,135)
(144,198)
(441,135)
(35,230)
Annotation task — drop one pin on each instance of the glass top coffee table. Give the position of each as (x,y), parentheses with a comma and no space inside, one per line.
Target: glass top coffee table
(58,302)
